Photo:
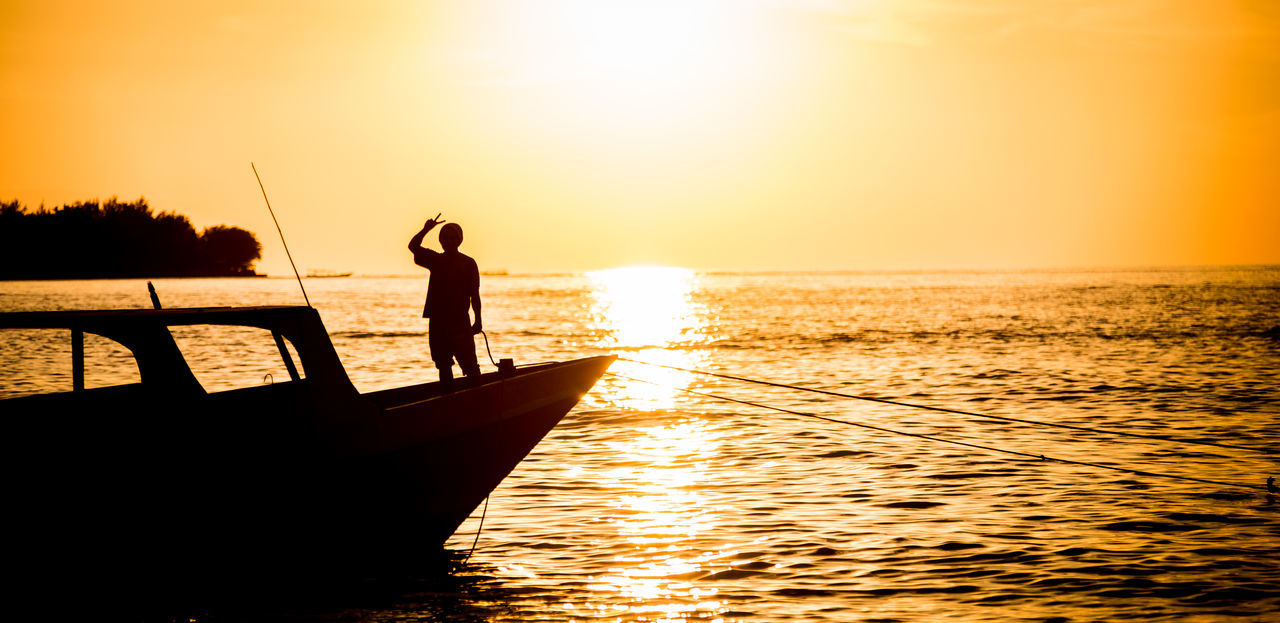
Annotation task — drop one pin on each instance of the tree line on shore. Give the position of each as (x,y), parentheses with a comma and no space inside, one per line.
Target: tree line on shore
(115,239)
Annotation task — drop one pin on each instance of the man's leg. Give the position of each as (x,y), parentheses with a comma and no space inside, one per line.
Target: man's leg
(465,351)
(438,339)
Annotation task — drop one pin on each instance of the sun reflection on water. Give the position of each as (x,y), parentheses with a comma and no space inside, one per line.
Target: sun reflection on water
(649,312)
(646,306)
(660,477)
(661,511)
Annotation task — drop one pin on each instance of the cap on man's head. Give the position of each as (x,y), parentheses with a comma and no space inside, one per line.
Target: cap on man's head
(451,235)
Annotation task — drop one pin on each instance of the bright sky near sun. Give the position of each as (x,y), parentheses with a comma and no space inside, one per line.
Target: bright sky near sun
(735,134)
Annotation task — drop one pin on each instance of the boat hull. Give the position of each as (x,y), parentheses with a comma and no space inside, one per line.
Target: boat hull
(276,477)
(453,450)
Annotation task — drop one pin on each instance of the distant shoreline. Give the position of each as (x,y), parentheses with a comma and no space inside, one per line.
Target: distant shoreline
(723,272)
(118,240)
(137,277)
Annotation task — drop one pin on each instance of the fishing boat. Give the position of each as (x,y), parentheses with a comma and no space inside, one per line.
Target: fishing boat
(163,475)
(326,274)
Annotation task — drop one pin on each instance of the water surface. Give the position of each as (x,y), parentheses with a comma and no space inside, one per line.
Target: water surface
(651,504)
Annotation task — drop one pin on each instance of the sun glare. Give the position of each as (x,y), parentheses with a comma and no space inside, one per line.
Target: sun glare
(649,311)
(626,54)
(615,93)
(646,306)
(646,44)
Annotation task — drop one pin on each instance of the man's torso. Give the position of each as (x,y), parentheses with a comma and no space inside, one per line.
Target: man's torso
(454,278)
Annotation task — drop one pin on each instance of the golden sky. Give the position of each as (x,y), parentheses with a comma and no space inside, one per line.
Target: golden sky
(735,134)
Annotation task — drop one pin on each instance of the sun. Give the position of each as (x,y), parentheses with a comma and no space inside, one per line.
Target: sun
(647,45)
(636,49)
(619,93)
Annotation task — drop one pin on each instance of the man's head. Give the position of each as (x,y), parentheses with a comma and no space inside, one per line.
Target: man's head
(451,236)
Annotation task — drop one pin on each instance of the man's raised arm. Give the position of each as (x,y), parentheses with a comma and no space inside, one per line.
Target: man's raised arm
(422,255)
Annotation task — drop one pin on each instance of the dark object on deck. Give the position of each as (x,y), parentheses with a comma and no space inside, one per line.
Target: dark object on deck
(161,478)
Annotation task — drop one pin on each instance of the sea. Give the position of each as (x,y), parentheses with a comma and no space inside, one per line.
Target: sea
(670,495)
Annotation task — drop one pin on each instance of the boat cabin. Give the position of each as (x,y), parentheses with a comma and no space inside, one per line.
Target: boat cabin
(161,365)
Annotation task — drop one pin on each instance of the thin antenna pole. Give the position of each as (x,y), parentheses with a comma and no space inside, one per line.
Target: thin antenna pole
(286,245)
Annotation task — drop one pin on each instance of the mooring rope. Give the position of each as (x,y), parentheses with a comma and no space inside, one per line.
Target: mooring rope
(486,348)
(956,411)
(502,387)
(942,440)
(478,530)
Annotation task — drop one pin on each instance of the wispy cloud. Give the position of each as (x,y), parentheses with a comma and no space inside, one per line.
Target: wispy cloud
(1133,22)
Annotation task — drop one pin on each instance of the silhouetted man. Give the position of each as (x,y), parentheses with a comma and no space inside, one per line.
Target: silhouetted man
(454,286)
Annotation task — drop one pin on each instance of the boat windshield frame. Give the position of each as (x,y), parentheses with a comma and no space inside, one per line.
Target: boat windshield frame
(162,366)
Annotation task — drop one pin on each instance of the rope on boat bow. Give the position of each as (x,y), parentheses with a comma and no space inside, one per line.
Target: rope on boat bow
(957,411)
(501,397)
(486,348)
(1269,488)
(478,530)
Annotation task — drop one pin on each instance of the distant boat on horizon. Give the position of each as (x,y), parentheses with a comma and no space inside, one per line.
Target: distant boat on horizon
(326,274)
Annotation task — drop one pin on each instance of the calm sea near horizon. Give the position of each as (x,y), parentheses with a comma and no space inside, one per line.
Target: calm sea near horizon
(648,503)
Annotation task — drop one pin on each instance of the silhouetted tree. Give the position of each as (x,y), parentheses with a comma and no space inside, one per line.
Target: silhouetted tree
(88,239)
(230,249)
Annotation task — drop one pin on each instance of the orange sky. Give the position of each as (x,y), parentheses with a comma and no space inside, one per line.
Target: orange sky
(737,134)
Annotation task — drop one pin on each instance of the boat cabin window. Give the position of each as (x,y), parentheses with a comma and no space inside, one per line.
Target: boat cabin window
(40,361)
(233,357)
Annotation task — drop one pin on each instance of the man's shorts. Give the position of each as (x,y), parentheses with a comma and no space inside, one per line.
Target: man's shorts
(451,340)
